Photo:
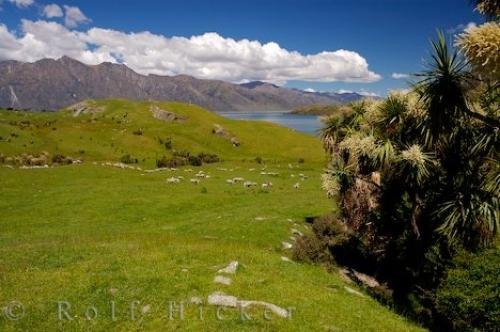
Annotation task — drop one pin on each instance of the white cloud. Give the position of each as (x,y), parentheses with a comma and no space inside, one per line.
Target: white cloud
(344,91)
(22,3)
(74,17)
(399,76)
(461,28)
(52,10)
(309,90)
(209,56)
(366,93)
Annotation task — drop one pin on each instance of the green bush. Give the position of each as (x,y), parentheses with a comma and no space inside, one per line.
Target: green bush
(128,159)
(167,143)
(170,162)
(194,161)
(209,158)
(258,160)
(468,299)
(138,132)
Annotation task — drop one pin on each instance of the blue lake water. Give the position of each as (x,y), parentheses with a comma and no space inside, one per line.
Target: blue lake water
(309,124)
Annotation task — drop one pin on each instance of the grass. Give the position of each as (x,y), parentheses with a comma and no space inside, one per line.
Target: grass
(90,235)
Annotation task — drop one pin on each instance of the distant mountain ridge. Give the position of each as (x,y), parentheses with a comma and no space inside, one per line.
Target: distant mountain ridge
(50,84)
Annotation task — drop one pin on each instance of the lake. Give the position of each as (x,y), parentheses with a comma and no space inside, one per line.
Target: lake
(309,124)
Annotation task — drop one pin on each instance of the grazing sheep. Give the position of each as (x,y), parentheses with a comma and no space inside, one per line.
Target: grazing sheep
(238,179)
(249,184)
(267,185)
(195,181)
(297,185)
(173,180)
(230,181)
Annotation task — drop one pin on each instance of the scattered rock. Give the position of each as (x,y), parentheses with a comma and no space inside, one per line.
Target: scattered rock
(231,268)
(222,132)
(286,259)
(163,115)
(296,232)
(85,107)
(273,307)
(222,299)
(146,309)
(286,245)
(222,280)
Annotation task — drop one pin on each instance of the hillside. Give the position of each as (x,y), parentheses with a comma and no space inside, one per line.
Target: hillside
(25,86)
(91,234)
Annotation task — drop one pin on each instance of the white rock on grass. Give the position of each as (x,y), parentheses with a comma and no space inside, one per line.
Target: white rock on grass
(286,245)
(231,268)
(222,299)
(286,259)
(223,280)
(272,307)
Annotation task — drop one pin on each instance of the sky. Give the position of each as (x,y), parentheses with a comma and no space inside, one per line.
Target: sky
(367,46)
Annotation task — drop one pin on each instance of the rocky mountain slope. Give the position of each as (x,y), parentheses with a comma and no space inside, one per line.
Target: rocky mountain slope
(53,84)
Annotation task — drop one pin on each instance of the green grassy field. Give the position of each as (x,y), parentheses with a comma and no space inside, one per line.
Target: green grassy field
(92,235)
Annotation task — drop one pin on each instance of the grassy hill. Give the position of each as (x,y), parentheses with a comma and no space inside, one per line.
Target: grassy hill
(108,134)
(92,235)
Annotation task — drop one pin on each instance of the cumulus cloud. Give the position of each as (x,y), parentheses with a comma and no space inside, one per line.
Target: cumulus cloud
(461,27)
(399,76)
(74,17)
(22,3)
(209,56)
(52,10)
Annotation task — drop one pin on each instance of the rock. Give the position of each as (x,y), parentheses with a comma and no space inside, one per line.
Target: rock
(167,116)
(286,245)
(222,299)
(146,309)
(85,107)
(272,307)
(231,268)
(286,259)
(223,280)
(235,142)
(296,232)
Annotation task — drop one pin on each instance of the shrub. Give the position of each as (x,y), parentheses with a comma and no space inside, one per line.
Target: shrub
(61,159)
(204,190)
(258,160)
(194,161)
(128,159)
(301,160)
(468,299)
(209,158)
(181,153)
(138,132)
(170,163)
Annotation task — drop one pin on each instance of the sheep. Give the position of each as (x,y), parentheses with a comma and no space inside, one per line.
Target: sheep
(249,184)
(230,181)
(267,185)
(297,185)
(238,179)
(251,169)
(195,181)
(173,180)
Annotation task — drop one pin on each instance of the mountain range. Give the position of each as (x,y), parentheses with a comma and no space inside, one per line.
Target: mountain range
(50,84)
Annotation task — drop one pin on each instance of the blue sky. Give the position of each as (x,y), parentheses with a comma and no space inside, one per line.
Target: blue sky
(391,35)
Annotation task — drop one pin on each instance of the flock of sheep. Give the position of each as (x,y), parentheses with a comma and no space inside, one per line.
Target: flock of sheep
(196,179)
